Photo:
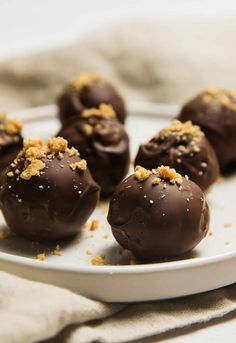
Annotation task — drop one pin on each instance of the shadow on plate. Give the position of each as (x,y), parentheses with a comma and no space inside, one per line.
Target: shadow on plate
(115,255)
(17,245)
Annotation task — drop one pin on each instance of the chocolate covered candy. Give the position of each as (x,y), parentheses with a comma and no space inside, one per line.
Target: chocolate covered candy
(158,214)
(47,193)
(11,140)
(214,110)
(182,146)
(89,91)
(103,142)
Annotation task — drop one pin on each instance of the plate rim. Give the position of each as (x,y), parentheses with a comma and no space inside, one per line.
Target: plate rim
(137,108)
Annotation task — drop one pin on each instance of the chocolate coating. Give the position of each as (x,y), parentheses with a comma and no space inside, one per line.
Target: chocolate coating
(72,102)
(49,206)
(106,148)
(157,222)
(198,161)
(10,145)
(215,112)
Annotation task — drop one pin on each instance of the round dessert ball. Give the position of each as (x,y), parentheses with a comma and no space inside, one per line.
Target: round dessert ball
(11,141)
(158,214)
(214,110)
(47,193)
(88,91)
(102,140)
(182,146)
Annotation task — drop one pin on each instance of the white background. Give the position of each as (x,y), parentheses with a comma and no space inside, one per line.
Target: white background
(31,25)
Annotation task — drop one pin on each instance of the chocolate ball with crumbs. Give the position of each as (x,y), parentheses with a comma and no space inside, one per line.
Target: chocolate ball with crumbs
(158,214)
(214,110)
(103,142)
(11,141)
(88,91)
(47,193)
(182,146)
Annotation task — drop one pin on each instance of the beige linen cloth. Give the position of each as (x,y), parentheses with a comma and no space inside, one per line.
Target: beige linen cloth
(166,62)
(158,61)
(31,311)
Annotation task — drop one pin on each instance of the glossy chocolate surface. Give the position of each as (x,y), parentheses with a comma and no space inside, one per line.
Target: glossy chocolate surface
(104,143)
(72,102)
(215,112)
(10,145)
(197,160)
(158,221)
(51,206)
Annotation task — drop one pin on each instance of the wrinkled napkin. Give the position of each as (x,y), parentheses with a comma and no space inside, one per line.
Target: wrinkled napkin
(31,312)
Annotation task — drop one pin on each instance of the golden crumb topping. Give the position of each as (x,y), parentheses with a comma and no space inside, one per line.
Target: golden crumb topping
(57,251)
(33,169)
(180,129)
(104,111)
(82,165)
(13,127)
(88,129)
(141,173)
(84,80)
(226,98)
(10,126)
(94,225)
(162,173)
(41,257)
(156,181)
(33,153)
(170,174)
(73,152)
(57,144)
(37,143)
(99,261)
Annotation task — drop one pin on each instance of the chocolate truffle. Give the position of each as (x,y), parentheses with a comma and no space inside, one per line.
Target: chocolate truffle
(182,146)
(47,193)
(103,142)
(11,140)
(214,110)
(88,91)
(158,214)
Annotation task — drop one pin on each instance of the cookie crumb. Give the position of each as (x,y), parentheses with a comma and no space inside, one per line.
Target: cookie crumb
(170,174)
(99,261)
(57,251)
(156,181)
(104,111)
(84,80)
(57,144)
(73,152)
(82,165)
(33,169)
(88,129)
(142,173)
(227,225)
(41,257)
(94,225)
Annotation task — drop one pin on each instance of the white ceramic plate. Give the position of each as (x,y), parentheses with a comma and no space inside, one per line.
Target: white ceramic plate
(209,266)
